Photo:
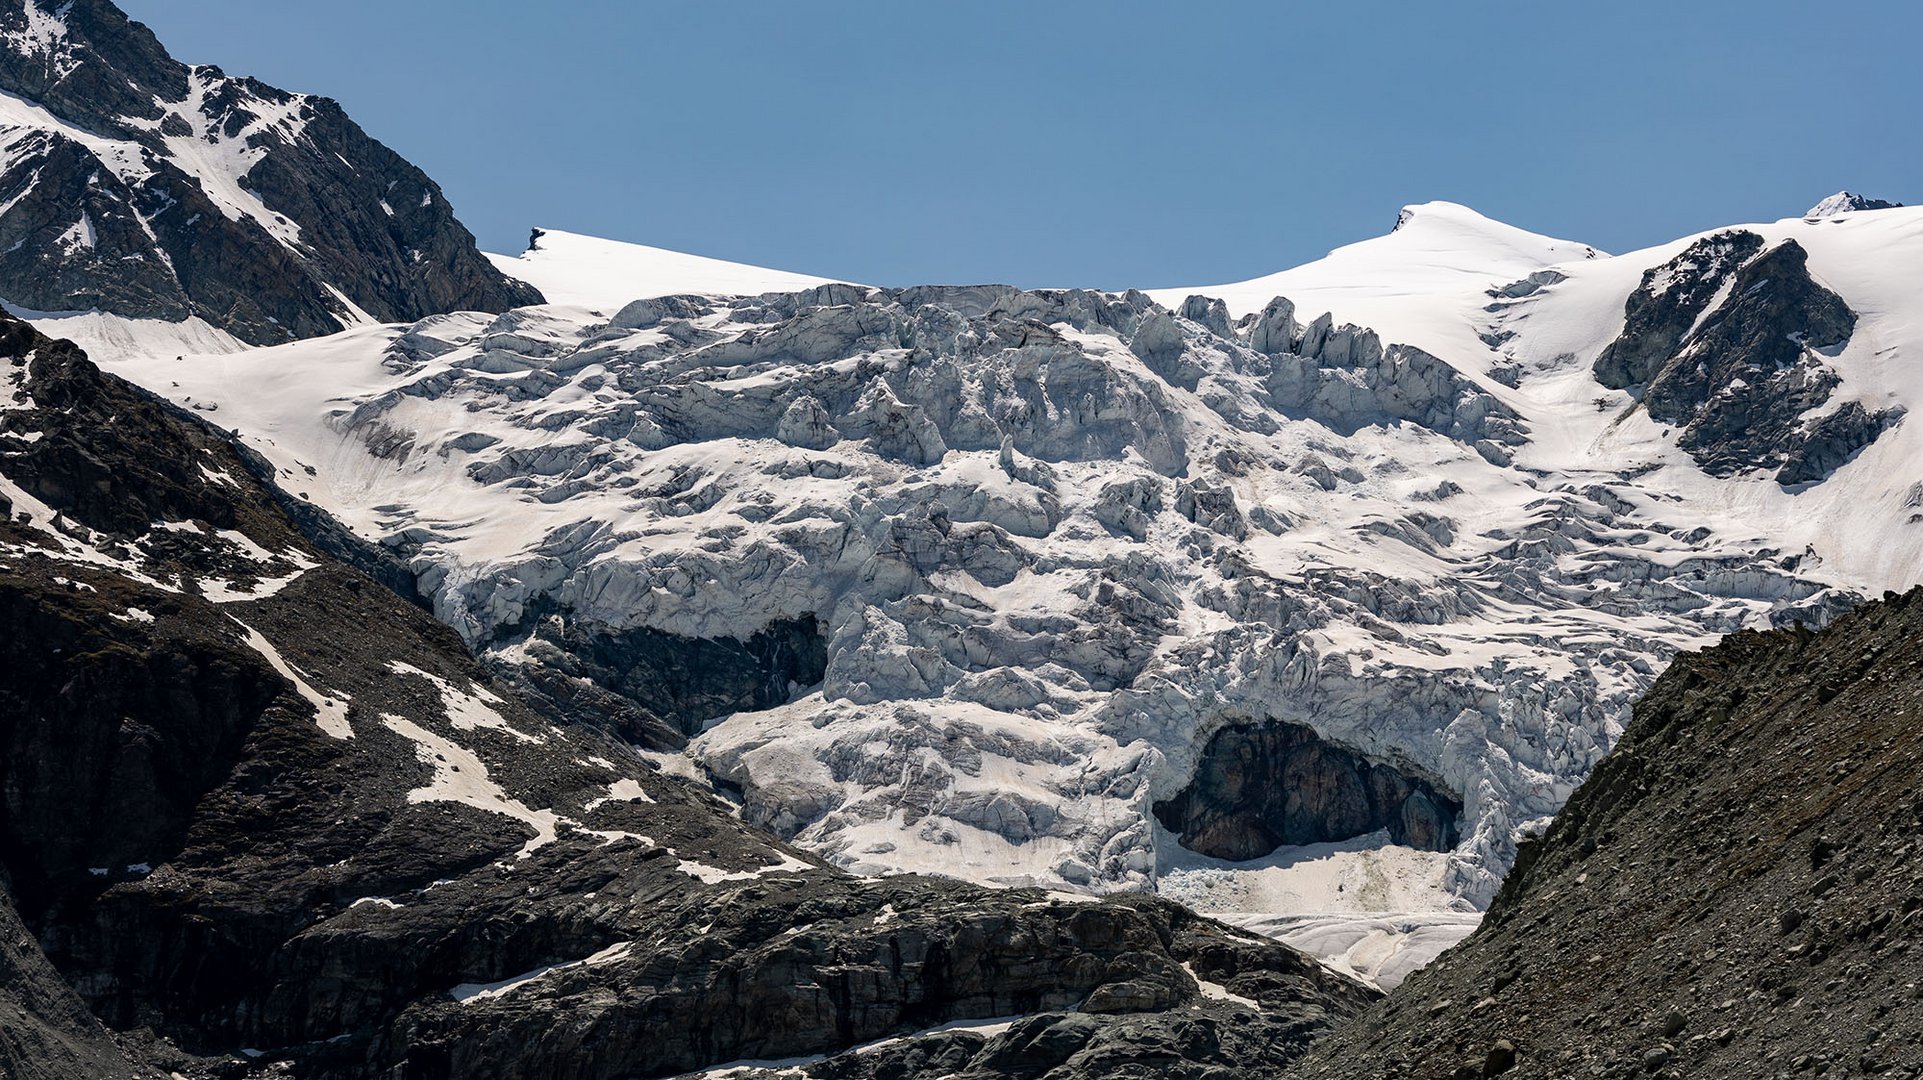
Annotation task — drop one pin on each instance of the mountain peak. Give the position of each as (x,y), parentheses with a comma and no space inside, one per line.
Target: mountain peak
(1436,210)
(1844,202)
(151,189)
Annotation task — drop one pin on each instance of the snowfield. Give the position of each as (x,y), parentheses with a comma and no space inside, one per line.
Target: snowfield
(589,272)
(1057,541)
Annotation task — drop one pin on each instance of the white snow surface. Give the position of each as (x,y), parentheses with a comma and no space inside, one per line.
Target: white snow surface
(1381,949)
(588,272)
(101,334)
(1057,541)
(1420,284)
(330,710)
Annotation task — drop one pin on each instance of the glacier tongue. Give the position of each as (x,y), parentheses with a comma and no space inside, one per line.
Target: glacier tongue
(975,581)
(1053,543)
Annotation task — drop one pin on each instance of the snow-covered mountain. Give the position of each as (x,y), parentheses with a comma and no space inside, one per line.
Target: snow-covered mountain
(1844,202)
(589,272)
(134,184)
(1171,591)
(1423,283)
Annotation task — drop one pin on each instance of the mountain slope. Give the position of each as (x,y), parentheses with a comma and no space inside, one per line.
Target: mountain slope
(133,184)
(1734,892)
(255,801)
(1844,202)
(46,1032)
(1420,284)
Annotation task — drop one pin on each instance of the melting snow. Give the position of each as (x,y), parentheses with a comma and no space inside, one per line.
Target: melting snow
(622,790)
(465,710)
(714,875)
(460,777)
(468,993)
(330,711)
(1218,992)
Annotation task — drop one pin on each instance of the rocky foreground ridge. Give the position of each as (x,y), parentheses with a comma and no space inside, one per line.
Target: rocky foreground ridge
(1735,892)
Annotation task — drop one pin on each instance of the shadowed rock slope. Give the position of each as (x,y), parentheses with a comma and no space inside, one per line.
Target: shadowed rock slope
(45,1029)
(1736,891)
(253,801)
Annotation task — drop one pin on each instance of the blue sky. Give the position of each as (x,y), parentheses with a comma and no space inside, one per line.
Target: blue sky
(1105,144)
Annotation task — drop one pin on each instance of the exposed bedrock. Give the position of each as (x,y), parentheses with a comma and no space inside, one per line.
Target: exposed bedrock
(1259,788)
(1660,314)
(687,681)
(1729,341)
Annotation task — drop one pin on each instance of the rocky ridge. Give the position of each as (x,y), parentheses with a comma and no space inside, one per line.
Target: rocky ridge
(1844,202)
(136,185)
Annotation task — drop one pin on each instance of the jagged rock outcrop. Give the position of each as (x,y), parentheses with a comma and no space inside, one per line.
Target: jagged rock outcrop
(260,805)
(1728,341)
(136,185)
(1672,300)
(1734,892)
(1259,787)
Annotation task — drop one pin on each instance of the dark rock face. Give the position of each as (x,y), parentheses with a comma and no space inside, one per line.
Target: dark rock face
(161,191)
(1660,314)
(1741,377)
(251,799)
(1832,440)
(1734,892)
(136,727)
(736,982)
(1259,788)
(46,1032)
(1106,1038)
(685,681)
(1740,382)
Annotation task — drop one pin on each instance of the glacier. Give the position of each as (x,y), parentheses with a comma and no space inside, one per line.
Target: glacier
(1054,541)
